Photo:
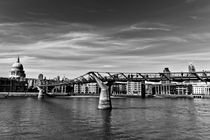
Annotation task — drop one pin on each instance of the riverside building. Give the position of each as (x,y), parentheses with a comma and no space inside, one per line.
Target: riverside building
(93,88)
(12,85)
(134,88)
(17,80)
(89,88)
(84,88)
(119,88)
(201,90)
(76,88)
(172,89)
(17,70)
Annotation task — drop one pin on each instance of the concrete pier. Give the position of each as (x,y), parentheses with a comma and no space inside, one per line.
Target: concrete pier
(143,90)
(41,93)
(104,98)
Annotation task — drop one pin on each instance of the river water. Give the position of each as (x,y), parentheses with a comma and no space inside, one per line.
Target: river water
(79,118)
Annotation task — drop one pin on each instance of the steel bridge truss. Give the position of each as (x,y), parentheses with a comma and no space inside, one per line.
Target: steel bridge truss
(136,77)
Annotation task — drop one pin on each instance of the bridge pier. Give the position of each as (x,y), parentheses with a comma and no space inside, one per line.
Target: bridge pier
(41,93)
(104,98)
(143,90)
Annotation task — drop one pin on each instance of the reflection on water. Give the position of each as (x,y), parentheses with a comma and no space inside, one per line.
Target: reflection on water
(79,118)
(106,119)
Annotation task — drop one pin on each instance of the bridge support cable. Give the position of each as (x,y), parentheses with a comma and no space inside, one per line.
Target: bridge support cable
(111,75)
(144,77)
(167,76)
(100,75)
(197,76)
(205,75)
(91,78)
(84,79)
(124,76)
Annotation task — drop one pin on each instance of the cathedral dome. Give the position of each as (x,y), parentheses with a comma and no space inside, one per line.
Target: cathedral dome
(17,66)
(17,70)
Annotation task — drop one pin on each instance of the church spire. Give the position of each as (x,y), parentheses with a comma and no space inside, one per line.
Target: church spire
(18,59)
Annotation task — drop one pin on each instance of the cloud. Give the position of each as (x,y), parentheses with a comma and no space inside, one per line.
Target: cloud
(133,28)
(203,37)
(56,39)
(144,30)
(147,26)
(196,18)
(65,47)
(189,1)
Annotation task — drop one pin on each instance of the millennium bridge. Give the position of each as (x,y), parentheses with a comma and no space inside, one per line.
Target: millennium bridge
(106,79)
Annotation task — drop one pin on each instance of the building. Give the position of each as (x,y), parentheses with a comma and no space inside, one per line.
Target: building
(191,68)
(89,88)
(17,70)
(134,88)
(172,89)
(201,90)
(16,81)
(12,85)
(32,82)
(84,88)
(76,88)
(119,88)
(93,88)
(166,74)
(148,88)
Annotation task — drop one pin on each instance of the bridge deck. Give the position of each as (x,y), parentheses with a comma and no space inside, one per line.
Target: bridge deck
(136,77)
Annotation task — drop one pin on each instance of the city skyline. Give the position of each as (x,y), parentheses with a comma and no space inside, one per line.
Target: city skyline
(70,38)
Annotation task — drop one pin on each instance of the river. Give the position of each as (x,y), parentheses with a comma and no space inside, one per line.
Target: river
(79,118)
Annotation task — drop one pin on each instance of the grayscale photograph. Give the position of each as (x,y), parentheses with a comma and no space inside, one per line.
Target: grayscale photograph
(104,69)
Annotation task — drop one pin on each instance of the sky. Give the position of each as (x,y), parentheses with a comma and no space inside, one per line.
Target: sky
(72,37)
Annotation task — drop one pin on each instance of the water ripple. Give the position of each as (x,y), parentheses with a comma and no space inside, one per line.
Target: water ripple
(79,118)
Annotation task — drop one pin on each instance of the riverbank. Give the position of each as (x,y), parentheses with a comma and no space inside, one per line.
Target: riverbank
(57,95)
(88,96)
(67,95)
(35,94)
(18,94)
(173,96)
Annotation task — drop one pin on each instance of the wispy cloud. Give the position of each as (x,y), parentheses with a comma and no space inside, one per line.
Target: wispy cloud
(190,1)
(145,26)
(133,28)
(204,36)
(64,47)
